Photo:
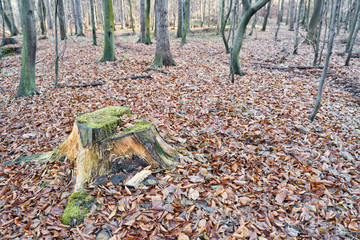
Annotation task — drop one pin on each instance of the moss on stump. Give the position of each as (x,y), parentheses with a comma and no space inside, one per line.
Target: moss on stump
(77,207)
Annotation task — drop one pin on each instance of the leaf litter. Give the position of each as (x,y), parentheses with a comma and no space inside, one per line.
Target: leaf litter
(253,165)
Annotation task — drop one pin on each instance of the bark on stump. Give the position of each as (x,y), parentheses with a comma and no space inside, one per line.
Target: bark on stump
(96,151)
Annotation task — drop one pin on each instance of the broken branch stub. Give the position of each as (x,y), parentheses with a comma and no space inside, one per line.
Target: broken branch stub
(95,150)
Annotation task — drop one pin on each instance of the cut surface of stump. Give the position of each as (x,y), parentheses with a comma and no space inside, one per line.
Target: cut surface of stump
(96,151)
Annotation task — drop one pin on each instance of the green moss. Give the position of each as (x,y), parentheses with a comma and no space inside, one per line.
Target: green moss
(44,184)
(138,126)
(77,207)
(103,117)
(9,51)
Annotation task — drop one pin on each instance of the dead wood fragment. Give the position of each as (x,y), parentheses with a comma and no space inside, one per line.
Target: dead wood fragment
(156,70)
(269,66)
(133,77)
(138,178)
(93,84)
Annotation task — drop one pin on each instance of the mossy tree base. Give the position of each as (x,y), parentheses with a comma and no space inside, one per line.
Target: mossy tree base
(77,207)
(96,151)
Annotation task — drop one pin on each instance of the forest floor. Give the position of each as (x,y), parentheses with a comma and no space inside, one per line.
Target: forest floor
(262,169)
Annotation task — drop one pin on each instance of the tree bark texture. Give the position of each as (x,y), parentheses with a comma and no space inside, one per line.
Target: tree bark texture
(347,61)
(42,17)
(163,56)
(268,10)
(142,21)
(292,15)
(147,22)
(353,25)
(109,39)
(122,18)
(131,17)
(185,21)
(48,14)
(78,19)
(296,46)
(27,80)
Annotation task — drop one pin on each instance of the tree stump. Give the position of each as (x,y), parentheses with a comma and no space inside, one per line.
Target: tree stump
(96,150)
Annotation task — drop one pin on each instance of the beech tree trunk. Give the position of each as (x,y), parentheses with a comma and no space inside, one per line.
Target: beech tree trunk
(92,9)
(109,40)
(96,151)
(48,14)
(352,43)
(185,21)
(335,12)
(14,30)
(268,10)
(353,25)
(42,17)
(131,17)
(79,29)
(27,80)
(61,16)
(314,21)
(122,18)
(147,22)
(163,56)
(142,21)
(292,15)
(249,11)
(296,45)
(180,19)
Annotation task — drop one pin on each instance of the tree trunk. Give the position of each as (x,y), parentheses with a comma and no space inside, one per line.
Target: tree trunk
(61,16)
(180,19)
(42,16)
(109,40)
(163,56)
(188,14)
(56,45)
(347,61)
(147,22)
(353,25)
(78,19)
(95,150)
(298,28)
(317,42)
(279,19)
(268,10)
(142,21)
(14,30)
(48,14)
(336,6)
(224,20)
(249,11)
(131,17)
(292,15)
(3,20)
(27,80)
(185,21)
(314,21)
(122,14)
(92,13)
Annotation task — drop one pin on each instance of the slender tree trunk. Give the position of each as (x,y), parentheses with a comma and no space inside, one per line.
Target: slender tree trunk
(188,14)
(14,30)
(314,21)
(353,25)
(62,22)
(292,15)
(180,19)
(163,56)
(42,16)
(3,20)
(122,14)
(266,17)
(109,40)
(296,46)
(336,6)
(253,24)
(131,17)
(92,13)
(56,45)
(48,14)
(201,14)
(79,19)
(279,19)
(318,35)
(142,21)
(352,42)
(249,11)
(147,22)
(224,20)
(325,38)
(74,17)
(27,80)
(185,25)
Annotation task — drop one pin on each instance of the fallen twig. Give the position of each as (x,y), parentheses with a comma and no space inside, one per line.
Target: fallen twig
(269,66)
(93,84)
(155,69)
(133,77)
